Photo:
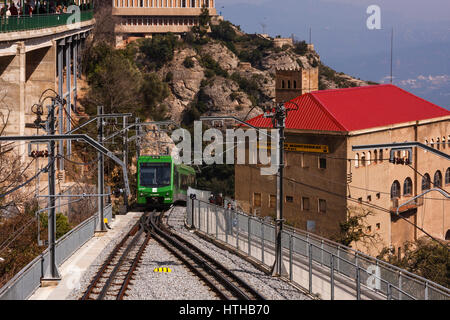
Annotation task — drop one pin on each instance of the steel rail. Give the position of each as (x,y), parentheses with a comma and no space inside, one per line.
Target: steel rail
(108,262)
(234,284)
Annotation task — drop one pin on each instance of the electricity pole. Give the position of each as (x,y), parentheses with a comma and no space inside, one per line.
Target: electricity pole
(125,156)
(101,174)
(52,273)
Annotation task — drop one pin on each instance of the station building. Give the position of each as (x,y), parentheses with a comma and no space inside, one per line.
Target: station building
(326,182)
(143,18)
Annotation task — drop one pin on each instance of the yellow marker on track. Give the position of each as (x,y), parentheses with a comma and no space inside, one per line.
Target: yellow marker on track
(162,270)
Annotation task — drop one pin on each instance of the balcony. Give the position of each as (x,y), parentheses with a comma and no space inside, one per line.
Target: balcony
(41,21)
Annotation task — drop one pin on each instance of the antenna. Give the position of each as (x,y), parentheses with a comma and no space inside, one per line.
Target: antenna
(310,35)
(392,52)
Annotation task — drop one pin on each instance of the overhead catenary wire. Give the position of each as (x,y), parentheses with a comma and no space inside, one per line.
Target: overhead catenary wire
(26,182)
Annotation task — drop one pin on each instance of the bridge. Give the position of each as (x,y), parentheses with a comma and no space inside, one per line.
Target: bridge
(39,52)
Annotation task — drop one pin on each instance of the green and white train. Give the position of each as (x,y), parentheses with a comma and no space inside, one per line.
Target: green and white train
(161,183)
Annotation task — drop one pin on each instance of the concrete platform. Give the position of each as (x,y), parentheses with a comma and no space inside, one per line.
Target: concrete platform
(72,269)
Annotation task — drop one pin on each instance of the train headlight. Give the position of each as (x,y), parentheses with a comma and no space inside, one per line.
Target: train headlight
(142,194)
(167,194)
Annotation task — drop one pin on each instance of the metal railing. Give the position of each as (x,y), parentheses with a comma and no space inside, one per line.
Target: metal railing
(319,265)
(26,281)
(40,21)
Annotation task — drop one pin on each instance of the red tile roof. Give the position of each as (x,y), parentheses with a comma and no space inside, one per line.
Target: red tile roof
(355,109)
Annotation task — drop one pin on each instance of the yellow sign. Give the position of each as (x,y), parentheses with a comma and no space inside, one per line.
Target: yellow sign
(298,147)
(162,270)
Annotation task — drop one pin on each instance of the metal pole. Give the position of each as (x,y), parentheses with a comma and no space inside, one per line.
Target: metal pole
(332,276)
(138,139)
(52,273)
(68,84)
(60,49)
(101,173)
(125,156)
(249,236)
(310,268)
(217,225)
(262,242)
(290,256)
(280,119)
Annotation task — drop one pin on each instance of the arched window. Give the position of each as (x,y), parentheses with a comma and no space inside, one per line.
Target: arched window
(363,159)
(432,143)
(437,179)
(438,145)
(289,84)
(192,3)
(447,176)
(357,160)
(447,235)
(282,84)
(369,155)
(426,182)
(443,143)
(375,156)
(395,190)
(295,84)
(407,187)
(381,155)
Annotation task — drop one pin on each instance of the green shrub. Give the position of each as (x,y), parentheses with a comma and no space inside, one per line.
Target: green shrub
(154,91)
(300,47)
(62,223)
(158,50)
(223,31)
(188,63)
(169,77)
(210,64)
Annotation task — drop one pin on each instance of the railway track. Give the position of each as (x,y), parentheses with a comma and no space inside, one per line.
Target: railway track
(222,281)
(112,280)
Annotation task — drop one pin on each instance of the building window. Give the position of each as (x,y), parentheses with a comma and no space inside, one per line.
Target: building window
(447,176)
(360,200)
(369,229)
(369,155)
(322,206)
(295,84)
(272,201)
(378,195)
(303,161)
(363,159)
(438,179)
(310,226)
(322,163)
(432,143)
(407,187)
(443,143)
(192,3)
(378,226)
(381,155)
(369,198)
(375,156)
(257,200)
(426,182)
(438,145)
(289,84)
(357,160)
(289,199)
(282,84)
(395,190)
(305,204)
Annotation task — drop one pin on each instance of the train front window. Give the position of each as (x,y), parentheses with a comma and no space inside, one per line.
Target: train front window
(155,175)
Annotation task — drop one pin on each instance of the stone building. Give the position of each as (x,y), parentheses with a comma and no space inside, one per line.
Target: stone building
(323,189)
(143,18)
(291,83)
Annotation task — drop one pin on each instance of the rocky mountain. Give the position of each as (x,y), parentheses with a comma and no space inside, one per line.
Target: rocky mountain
(233,73)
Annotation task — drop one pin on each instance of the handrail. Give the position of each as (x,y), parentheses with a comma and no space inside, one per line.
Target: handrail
(309,236)
(40,21)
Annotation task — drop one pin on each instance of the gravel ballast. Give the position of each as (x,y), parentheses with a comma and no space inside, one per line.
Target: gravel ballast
(271,288)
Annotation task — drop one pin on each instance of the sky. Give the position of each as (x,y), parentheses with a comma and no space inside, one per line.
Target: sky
(341,37)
